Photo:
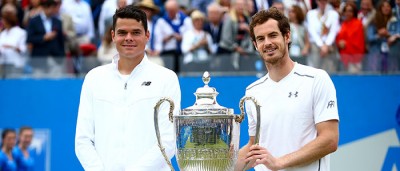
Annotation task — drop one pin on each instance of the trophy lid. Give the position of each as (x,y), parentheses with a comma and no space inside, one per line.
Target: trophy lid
(206,100)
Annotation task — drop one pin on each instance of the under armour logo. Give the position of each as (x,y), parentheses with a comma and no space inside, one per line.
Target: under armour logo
(146,83)
(294,94)
(331,104)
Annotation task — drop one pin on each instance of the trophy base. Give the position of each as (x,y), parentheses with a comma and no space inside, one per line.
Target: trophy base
(206,165)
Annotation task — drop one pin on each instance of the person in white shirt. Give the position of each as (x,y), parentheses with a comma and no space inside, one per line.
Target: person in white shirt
(169,30)
(81,14)
(115,127)
(151,11)
(12,43)
(196,43)
(107,11)
(299,116)
(323,26)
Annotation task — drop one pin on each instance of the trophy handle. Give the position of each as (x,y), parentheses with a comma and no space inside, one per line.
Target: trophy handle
(171,110)
(239,118)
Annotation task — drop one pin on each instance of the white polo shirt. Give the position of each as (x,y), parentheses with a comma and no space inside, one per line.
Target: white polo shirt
(290,110)
(115,127)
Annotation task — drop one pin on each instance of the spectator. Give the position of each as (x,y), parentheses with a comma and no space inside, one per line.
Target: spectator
(196,43)
(304,4)
(377,38)
(20,11)
(201,4)
(107,49)
(151,11)
(214,26)
(107,11)
(280,6)
(7,159)
(31,11)
(322,26)
(300,45)
(236,37)
(12,43)
(24,154)
(350,40)
(394,39)
(72,50)
(45,34)
(169,30)
(337,4)
(259,5)
(82,17)
(367,12)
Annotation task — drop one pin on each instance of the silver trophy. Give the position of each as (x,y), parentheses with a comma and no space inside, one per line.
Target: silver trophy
(207,134)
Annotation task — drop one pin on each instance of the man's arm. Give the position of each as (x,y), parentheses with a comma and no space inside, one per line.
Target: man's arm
(84,138)
(325,143)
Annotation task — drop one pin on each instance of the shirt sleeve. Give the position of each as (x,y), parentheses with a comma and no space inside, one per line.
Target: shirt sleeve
(84,138)
(90,22)
(187,40)
(334,28)
(324,99)
(311,29)
(158,34)
(153,158)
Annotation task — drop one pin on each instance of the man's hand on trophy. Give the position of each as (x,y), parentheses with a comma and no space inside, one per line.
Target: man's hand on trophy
(260,155)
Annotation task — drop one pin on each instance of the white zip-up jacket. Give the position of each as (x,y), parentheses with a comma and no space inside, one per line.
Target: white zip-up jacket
(115,126)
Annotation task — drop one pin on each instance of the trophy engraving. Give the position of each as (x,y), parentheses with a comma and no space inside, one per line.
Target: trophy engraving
(207,134)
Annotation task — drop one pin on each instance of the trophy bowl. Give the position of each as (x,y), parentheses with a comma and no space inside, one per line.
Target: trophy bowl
(207,134)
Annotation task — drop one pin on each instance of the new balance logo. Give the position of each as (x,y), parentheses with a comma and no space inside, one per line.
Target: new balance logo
(331,104)
(295,94)
(146,83)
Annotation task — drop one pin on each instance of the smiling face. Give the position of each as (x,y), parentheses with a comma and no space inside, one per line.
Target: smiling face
(386,8)
(9,139)
(130,38)
(25,137)
(269,41)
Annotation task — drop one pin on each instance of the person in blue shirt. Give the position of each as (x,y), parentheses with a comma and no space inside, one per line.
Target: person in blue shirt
(7,162)
(24,155)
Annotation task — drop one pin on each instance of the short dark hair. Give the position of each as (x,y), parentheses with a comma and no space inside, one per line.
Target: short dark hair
(5,133)
(24,128)
(48,3)
(264,15)
(132,12)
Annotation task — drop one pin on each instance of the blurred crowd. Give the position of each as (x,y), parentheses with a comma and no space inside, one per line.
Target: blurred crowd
(55,36)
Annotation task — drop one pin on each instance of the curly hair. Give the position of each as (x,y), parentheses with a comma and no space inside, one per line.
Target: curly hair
(264,15)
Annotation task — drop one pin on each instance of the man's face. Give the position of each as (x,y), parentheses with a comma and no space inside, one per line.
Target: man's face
(398,3)
(270,42)
(130,38)
(214,16)
(366,5)
(322,4)
(26,137)
(10,140)
(172,8)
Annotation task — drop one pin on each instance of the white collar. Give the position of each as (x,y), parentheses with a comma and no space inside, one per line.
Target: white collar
(142,63)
